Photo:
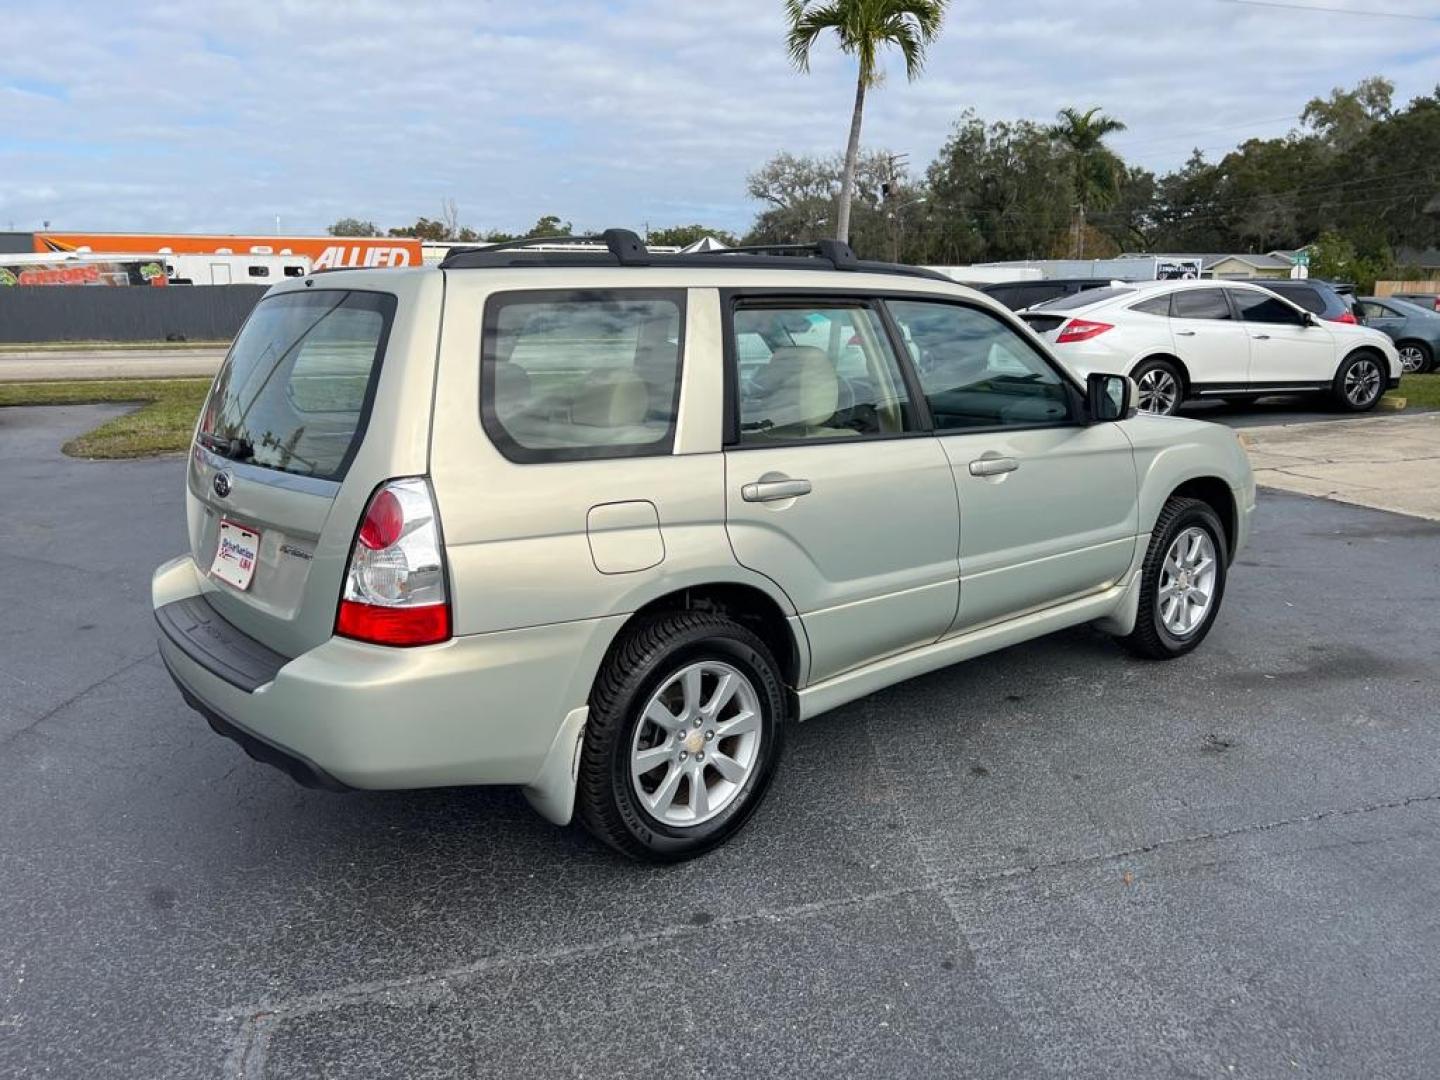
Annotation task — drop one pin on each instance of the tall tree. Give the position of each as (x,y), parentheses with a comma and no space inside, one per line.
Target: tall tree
(801,194)
(549,225)
(863,28)
(1094,169)
(349,226)
(997,191)
(1344,118)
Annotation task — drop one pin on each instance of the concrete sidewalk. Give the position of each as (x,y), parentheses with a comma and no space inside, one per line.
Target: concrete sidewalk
(98,362)
(1388,463)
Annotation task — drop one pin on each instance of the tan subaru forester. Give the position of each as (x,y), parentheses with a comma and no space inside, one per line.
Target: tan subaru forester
(601,522)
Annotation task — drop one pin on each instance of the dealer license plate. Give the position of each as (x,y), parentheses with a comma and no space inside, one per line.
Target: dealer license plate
(236,554)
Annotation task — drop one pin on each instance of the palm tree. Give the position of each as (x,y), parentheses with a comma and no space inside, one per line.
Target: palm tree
(1092,165)
(863,28)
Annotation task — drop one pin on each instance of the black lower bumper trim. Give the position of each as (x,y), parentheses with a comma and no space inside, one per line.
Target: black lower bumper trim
(304,773)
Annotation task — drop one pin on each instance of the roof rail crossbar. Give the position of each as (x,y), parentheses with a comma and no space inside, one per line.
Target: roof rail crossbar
(837,252)
(621,247)
(627,248)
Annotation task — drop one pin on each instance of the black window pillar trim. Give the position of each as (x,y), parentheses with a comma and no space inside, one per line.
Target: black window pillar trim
(908,371)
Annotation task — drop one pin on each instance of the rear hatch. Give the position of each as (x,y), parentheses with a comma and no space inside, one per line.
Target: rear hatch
(277,439)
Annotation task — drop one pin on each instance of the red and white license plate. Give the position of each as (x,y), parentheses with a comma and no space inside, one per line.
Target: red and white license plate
(236,553)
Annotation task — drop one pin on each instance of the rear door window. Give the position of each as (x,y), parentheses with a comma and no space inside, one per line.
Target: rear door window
(592,373)
(1156,305)
(294,392)
(1200,304)
(817,371)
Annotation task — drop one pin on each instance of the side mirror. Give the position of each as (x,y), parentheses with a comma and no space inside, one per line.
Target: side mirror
(1110,397)
(1310,319)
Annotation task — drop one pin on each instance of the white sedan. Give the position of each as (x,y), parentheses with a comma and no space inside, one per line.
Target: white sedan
(1230,339)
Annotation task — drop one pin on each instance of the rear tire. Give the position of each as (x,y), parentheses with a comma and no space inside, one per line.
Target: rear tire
(1161,386)
(1360,382)
(1416,357)
(1187,561)
(642,787)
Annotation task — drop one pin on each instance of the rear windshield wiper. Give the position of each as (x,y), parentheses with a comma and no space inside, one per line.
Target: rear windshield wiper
(236,449)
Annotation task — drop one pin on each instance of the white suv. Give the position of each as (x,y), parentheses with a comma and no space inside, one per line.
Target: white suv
(599,523)
(1182,339)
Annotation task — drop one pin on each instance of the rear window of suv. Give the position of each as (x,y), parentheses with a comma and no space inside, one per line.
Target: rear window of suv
(1308,297)
(295,390)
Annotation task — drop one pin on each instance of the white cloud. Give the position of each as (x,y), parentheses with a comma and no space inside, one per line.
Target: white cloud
(222,115)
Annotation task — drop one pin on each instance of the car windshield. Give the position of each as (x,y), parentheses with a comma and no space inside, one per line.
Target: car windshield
(1083,299)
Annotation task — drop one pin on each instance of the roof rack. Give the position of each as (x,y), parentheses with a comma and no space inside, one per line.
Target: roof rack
(621,247)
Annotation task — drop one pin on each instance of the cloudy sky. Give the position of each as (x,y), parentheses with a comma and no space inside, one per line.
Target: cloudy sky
(220,115)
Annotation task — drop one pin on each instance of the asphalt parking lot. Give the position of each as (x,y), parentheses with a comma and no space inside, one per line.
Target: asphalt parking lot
(1054,861)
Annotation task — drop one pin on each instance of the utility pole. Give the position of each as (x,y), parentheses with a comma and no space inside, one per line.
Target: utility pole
(888,190)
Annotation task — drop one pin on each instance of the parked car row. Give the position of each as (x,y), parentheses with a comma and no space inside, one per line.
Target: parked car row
(1216,339)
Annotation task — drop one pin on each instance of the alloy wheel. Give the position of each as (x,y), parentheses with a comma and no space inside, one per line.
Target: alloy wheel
(1412,359)
(697,743)
(1362,382)
(1187,582)
(1159,392)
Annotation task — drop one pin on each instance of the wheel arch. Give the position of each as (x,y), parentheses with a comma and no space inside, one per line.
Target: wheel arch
(1168,357)
(748,605)
(1363,350)
(1220,497)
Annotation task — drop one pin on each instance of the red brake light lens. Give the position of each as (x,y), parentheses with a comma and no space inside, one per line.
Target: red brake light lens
(395,591)
(1082,330)
(383,522)
(1348,317)
(423,625)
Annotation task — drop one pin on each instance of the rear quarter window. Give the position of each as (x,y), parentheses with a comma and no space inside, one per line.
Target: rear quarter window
(583,374)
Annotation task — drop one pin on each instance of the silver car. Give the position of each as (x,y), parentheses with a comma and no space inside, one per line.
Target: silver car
(602,522)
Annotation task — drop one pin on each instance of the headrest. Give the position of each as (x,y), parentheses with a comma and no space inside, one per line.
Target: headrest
(807,390)
(612,400)
(512,388)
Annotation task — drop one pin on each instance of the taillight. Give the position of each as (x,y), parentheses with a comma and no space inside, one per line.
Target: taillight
(1347,317)
(395,584)
(1082,330)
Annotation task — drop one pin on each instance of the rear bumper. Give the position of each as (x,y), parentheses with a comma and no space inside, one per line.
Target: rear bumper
(484,709)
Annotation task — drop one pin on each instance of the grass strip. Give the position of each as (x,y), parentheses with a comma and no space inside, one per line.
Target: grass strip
(162,424)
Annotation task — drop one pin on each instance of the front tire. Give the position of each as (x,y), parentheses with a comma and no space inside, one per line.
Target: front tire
(1181,582)
(1415,357)
(1359,382)
(683,736)
(1161,387)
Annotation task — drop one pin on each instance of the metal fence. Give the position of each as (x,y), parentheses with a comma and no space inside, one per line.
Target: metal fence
(34,314)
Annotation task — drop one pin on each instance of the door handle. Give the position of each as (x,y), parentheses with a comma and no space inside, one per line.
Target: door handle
(1260,337)
(774,490)
(1184,333)
(993,466)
